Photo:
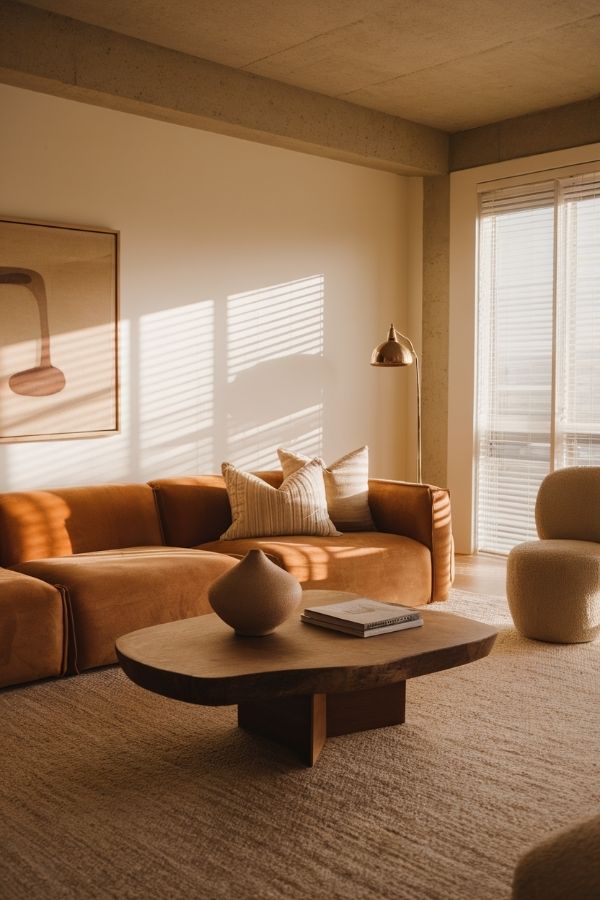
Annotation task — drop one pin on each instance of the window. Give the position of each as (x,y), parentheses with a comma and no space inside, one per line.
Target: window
(538,370)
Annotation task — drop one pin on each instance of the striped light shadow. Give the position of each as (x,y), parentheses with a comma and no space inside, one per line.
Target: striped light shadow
(274,372)
(39,464)
(176,405)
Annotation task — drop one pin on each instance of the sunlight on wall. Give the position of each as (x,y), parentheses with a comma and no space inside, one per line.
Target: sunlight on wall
(275,372)
(199,384)
(176,403)
(25,466)
(84,399)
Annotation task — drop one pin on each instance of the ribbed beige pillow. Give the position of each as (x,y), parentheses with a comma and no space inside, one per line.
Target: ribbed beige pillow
(346,487)
(298,506)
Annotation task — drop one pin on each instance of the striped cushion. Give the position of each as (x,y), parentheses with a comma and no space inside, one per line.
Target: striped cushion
(299,506)
(346,487)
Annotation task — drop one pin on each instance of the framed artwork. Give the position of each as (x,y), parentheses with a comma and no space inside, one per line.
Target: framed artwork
(58,331)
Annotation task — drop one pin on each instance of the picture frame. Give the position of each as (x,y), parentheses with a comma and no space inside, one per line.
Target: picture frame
(59,324)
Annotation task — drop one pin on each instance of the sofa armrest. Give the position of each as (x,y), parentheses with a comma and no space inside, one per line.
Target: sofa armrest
(421,512)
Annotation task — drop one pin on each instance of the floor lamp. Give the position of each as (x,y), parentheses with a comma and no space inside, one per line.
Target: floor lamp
(398,350)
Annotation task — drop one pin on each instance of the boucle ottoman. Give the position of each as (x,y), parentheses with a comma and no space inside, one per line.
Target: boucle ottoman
(565,866)
(553,590)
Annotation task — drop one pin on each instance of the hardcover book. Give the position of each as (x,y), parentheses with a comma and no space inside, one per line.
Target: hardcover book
(363,617)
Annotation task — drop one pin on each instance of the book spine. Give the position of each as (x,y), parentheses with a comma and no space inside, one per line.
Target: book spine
(414,623)
(413,617)
(355,632)
(380,623)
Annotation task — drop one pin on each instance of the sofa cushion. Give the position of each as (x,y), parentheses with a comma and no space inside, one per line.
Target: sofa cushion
(32,629)
(378,565)
(40,524)
(113,592)
(346,487)
(195,509)
(298,506)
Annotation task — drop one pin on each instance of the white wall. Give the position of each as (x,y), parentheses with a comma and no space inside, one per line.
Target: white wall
(306,258)
(462,437)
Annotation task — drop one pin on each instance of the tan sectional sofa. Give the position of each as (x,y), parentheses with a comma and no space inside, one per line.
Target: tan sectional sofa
(81,566)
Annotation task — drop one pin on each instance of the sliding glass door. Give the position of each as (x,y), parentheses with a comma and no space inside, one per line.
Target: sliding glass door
(538,371)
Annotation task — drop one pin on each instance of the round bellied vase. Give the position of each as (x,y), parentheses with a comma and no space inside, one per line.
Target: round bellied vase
(255,596)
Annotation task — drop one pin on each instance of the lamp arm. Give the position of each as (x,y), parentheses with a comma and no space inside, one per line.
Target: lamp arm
(418,368)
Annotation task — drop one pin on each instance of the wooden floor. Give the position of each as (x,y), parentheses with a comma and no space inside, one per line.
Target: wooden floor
(481,573)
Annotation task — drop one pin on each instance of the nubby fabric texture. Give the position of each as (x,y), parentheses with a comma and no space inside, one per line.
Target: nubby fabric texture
(553,585)
(299,506)
(346,487)
(565,864)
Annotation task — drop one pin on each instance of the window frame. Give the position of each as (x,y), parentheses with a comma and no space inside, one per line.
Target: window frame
(465,187)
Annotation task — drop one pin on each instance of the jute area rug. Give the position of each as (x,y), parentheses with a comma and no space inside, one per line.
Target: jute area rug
(108,791)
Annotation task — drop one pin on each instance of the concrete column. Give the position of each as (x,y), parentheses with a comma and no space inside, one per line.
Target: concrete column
(436,270)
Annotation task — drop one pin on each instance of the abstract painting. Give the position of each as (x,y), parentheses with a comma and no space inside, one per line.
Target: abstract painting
(58,331)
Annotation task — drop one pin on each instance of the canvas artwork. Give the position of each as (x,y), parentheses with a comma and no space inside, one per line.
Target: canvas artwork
(58,331)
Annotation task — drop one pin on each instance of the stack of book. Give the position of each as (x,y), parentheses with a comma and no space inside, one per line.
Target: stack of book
(362,617)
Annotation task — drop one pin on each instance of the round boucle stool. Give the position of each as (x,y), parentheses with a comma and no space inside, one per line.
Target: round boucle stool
(553,589)
(565,864)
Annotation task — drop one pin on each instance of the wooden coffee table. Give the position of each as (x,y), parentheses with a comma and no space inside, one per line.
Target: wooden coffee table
(301,684)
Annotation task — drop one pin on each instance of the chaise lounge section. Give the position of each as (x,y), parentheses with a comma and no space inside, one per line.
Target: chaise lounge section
(102,549)
(33,629)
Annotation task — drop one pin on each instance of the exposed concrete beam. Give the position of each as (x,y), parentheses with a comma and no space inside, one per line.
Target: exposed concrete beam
(56,55)
(572,125)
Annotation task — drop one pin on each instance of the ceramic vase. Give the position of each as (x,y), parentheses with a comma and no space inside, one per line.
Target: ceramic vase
(255,596)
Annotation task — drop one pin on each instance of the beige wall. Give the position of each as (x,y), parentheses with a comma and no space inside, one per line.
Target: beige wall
(254,283)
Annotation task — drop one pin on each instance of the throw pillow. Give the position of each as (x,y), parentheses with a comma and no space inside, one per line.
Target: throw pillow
(346,487)
(298,506)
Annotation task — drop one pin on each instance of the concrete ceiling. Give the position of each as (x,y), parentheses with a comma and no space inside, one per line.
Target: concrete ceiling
(449,64)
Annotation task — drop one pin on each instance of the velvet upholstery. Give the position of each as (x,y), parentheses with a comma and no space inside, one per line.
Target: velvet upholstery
(40,524)
(375,564)
(32,629)
(195,511)
(112,592)
(108,559)
(421,512)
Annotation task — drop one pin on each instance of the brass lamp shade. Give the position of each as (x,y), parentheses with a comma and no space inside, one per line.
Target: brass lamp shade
(398,350)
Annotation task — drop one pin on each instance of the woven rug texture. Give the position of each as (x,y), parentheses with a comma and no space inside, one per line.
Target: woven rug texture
(109,791)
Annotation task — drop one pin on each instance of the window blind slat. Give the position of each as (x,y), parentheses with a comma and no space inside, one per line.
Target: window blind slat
(579,369)
(518,280)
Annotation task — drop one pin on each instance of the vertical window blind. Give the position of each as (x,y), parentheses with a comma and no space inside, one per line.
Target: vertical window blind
(538,367)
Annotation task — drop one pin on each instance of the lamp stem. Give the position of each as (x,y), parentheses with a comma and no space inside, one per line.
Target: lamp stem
(418,368)
(418,365)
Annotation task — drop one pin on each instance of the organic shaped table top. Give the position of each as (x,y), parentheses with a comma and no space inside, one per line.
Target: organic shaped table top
(201,660)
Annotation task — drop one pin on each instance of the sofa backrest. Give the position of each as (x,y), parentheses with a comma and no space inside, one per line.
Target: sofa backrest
(195,510)
(41,524)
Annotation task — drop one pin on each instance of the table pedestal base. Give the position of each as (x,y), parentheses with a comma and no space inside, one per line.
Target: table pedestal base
(305,722)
